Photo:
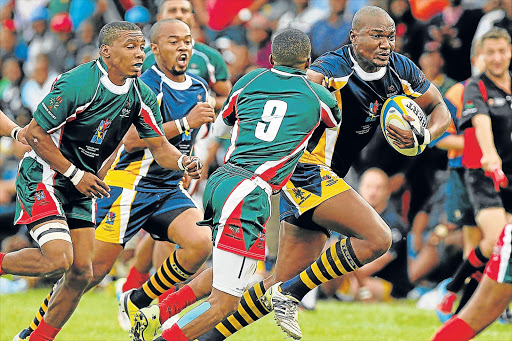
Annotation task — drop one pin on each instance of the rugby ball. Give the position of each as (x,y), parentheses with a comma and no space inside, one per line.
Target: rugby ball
(392,113)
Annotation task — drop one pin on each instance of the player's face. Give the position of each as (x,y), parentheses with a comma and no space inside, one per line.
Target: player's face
(127,54)
(374,42)
(177,9)
(496,55)
(174,48)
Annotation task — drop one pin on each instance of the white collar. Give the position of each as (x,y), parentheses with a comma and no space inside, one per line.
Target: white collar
(172,84)
(367,76)
(115,89)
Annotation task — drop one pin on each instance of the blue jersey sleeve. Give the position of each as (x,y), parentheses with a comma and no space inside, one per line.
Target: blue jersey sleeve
(412,78)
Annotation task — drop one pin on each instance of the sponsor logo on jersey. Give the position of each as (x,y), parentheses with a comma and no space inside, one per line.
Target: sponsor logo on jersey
(373,112)
(330,180)
(55,102)
(99,135)
(111,218)
(392,91)
(469,108)
(235,232)
(300,195)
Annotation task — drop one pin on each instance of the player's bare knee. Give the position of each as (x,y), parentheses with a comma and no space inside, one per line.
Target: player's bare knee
(200,248)
(80,275)
(381,241)
(57,263)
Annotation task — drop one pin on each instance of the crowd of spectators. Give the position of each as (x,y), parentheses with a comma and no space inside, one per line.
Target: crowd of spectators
(41,38)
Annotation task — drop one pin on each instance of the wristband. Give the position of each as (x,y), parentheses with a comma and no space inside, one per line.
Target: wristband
(185,123)
(14,132)
(180,163)
(179,126)
(75,178)
(70,171)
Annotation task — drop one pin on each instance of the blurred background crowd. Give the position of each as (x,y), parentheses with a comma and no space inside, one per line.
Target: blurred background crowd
(41,38)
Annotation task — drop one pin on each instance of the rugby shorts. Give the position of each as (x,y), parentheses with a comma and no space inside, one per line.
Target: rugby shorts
(309,186)
(482,193)
(499,267)
(237,208)
(44,194)
(122,215)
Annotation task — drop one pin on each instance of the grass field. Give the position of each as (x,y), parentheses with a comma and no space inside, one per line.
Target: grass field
(95,320)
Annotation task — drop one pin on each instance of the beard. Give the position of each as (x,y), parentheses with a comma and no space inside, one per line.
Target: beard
(177,72)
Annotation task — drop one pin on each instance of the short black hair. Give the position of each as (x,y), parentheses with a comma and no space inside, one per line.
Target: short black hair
(110,32)
(365,11)
(291,47)
(153,33)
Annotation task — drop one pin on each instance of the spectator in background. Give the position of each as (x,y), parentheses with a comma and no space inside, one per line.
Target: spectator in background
(85,43)
(410,32)
(332,32)
(39,84)
(10,91)
(302,16)
(10,45)
(63,57)
(431,63)
(43,41)
(454,29)
(140,16)
(259,34)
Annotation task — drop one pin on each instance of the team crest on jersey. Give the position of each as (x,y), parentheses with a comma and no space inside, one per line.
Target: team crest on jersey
(329,180)
(392,91)
(111,217)
(40,197)
(373,111)
(99,135)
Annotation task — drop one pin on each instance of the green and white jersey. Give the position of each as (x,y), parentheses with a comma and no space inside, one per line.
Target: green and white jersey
(205,62)
(273,114)
(87,115)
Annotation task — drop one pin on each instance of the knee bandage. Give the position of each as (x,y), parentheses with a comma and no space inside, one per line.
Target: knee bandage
(49,232)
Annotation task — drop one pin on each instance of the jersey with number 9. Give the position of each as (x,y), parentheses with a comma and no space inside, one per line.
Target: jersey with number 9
(273,114)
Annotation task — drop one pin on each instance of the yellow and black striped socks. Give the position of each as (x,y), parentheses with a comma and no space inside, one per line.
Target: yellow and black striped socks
(249,310)
(336,261)
(170,273)
(39,316)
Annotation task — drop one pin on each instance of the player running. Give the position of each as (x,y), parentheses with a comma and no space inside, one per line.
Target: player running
(75,129)
(272,114)
(316,199)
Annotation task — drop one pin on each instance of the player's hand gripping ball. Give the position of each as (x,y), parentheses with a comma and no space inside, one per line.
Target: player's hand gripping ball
(393,112)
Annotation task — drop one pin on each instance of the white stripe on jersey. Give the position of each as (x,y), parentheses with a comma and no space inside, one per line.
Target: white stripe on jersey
(232,146)
(505,253)
(146,162)
(235,197)
(228,103)
(151,115)
(330,141)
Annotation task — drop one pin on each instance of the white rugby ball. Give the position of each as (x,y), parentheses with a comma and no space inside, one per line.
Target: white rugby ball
(392,113)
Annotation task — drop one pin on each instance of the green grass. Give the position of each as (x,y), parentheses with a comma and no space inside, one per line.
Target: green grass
(96,320)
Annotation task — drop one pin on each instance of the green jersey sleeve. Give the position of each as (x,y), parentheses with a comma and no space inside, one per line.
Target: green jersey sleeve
(61,103)
(331,114)
(215,58)
(149,121)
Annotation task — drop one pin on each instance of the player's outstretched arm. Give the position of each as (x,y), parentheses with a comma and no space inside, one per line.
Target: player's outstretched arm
(433,105)
(85,182)
(167,156)
(316,77)
(484,135)
(9,128)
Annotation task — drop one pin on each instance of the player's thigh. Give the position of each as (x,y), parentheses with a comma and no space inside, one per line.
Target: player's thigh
(298,248)
(349,214)
(83,245)
(105,255)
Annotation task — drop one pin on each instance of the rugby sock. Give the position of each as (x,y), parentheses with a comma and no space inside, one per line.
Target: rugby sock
(249,310)
(176,302)
(468,291)
(336,261)
(172,334)
(44,332)
(2,255)
(455,329)
(25,333)
(476,261)
(135,279)
(168,293)
(170,273)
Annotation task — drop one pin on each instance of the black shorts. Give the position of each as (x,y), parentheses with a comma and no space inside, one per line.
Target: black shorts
(482,193)
(305,221)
